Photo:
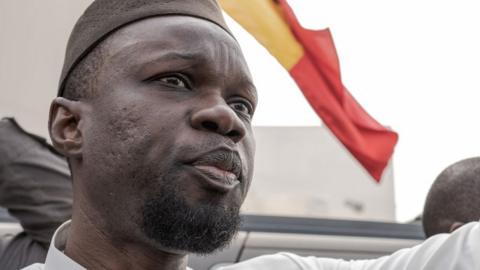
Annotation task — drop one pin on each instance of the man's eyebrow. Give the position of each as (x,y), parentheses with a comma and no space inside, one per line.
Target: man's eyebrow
(176,55)
(183,55)
(184,59)
(151,53)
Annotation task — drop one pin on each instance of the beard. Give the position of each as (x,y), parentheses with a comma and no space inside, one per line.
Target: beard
(202,229)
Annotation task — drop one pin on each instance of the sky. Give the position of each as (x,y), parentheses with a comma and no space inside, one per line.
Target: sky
(413,65)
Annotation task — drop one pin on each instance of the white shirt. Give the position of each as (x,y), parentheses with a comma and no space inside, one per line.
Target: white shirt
(458,251)
(56,259)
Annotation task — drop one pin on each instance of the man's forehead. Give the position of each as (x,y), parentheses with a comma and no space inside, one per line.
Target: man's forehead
(172,38)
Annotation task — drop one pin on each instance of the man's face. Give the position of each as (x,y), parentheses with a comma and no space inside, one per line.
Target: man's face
(168,146)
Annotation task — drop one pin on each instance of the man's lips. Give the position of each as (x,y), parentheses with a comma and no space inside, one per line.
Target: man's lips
(217,173)
(222,168)
(220,160)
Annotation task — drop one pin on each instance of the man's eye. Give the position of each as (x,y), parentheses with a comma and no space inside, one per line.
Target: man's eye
(175,81)
(242,107)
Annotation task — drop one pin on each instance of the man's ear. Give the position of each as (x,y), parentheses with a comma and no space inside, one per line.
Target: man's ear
(455,226)
(64,126)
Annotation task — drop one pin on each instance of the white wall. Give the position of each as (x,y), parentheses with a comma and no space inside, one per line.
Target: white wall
(33,37)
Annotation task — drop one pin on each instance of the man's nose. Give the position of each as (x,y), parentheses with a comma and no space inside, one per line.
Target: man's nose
(219,118)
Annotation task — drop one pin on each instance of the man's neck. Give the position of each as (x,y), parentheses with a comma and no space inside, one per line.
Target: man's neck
(93,249)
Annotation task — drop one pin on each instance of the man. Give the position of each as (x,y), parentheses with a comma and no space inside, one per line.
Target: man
(36,189)
(454,198)
(154,115)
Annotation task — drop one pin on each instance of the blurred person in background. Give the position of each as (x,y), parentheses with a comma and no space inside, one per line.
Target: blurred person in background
(36,189)
(454,198)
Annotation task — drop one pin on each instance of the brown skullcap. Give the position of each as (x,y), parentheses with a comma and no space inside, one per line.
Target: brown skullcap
(103,17)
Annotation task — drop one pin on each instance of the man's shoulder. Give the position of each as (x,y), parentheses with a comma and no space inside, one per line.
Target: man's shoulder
(36,266)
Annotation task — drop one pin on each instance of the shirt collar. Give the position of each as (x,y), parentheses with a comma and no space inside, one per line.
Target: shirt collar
(56,259)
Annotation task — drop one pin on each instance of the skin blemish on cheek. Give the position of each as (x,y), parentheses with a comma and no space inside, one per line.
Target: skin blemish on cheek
(124,124)
(125,132)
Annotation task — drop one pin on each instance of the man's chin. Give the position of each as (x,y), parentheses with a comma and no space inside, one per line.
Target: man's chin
(202,229)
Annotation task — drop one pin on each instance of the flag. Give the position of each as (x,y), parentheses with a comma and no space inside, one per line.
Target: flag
(311,59)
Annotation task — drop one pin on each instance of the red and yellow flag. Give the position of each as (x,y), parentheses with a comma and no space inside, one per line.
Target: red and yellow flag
(311,59)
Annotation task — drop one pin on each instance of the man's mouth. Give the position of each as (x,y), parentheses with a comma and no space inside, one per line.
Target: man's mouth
(226,177)
(222,169)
